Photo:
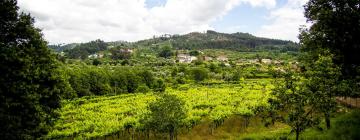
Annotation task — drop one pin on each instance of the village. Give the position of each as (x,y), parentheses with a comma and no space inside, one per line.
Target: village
(183,56)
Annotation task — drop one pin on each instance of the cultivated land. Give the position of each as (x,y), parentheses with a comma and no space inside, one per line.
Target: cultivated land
(211,105)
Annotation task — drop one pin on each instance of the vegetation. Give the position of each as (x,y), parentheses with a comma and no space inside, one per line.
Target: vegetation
(166,115)
(172,85)
(123,115)
(30,82)
(335,24)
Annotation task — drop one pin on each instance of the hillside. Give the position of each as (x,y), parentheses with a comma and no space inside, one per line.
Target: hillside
(195,40)
(215,40)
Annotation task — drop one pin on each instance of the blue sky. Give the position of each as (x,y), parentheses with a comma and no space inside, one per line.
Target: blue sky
(245,18)
(65,21)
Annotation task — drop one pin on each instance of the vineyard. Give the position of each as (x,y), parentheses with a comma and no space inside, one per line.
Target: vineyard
(101,116)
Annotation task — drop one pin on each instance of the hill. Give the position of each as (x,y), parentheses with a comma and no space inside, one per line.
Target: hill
(215,40)
(242,42)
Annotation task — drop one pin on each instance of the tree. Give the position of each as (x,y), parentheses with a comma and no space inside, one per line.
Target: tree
(166,52)
(323,79)
(81,51)
(336,28)
(166,115)
(159,85)
(148,78)
(120,53)
(194,53)
(30,88)
(199,74)
(96,62)
(290,104)
(132,82)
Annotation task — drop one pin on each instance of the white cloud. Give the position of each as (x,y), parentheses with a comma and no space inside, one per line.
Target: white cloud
(65,21)
(261,3)
(286,21)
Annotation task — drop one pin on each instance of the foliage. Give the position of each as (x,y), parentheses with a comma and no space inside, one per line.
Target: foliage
(291,103)
(166,115)
(194,53)
(96,62)
(199,74)
(235,41)
(119,53)
(322,82)
(166,52)
(83,50)
(91,117)
(30,85)
(335,27)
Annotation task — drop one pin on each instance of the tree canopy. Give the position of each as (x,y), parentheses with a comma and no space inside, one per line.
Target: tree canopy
(335,27)
(30,88)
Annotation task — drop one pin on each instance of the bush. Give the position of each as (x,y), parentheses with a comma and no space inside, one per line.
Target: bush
(199,74)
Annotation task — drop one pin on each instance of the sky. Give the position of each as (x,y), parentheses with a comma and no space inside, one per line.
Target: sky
(69,21)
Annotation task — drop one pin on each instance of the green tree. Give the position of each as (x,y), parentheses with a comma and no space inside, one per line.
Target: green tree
(132,82)
(148,78)
(81,51)
(199,74)
(120,53)
(291,104)
(166,115)
(335,27)
(96,62)
(322,82)
(30,86)
(166,52)
(159,85)
(194,53)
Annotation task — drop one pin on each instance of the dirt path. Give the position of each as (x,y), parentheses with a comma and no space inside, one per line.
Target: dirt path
(351,102)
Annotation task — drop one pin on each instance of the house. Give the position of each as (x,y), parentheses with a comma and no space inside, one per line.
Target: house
(100,55)
(193,58)
(277,62)
(93,56)
(222,58)
(109,47)
(207,58)
(185,58)
(127,50)
(253,61)
(266,61)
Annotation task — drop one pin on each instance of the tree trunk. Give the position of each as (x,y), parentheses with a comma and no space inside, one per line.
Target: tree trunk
(297,135)
(171,135)
(327,120)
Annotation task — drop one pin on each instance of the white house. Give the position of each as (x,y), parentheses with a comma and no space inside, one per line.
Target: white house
(208,58)
(93,56)
(222,58)
(185,58)
(266,61)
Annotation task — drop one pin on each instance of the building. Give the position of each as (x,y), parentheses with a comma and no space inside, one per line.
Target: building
(253,61)
(127,50)
(93,56)
(266,61)
(222,58)
(207,58)
(185,58)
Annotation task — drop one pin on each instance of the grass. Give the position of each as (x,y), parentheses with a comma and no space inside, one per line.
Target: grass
(345,125)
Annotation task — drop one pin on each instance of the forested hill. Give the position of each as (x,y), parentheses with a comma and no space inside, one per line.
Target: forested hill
(193,41)
(215,40)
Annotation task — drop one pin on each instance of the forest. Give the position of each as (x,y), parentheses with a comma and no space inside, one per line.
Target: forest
(200,85)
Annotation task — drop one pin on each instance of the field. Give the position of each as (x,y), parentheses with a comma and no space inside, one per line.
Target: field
(101,116)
